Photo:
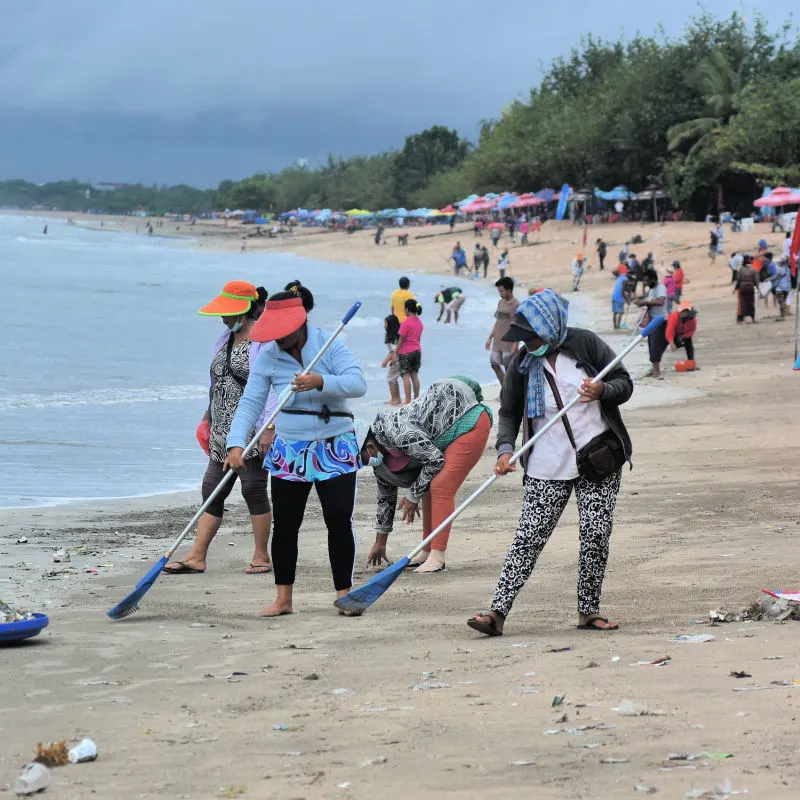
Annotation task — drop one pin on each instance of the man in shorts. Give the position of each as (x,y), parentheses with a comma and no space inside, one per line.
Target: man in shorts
(450,301)
(501,352)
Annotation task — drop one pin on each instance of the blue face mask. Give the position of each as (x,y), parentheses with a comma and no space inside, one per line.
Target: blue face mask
(540,351)
(237,326)
(375,461)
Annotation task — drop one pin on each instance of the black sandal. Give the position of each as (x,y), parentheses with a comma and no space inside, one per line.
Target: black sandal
(590,625)
(182,569)
(487,628)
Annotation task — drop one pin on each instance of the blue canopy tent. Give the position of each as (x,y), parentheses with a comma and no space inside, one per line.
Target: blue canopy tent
(467,200)
(617,193)
(545,194)
(506,201)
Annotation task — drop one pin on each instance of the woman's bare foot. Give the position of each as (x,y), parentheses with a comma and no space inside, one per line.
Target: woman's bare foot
(348,612)
(393,403)
(433,563)
(278,609)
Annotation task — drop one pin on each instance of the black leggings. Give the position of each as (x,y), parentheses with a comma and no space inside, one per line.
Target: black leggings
(254,488)
(689,345)
(656,342)
(337,497)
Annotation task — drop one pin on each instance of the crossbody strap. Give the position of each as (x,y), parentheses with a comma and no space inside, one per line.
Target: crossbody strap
(554,389)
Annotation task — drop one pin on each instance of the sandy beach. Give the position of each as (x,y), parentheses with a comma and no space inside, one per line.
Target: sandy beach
(197,697)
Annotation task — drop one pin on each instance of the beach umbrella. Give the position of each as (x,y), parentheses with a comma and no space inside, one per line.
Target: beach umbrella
(546,195)
(467,200)
(782,196)
(507,200)
(527,200)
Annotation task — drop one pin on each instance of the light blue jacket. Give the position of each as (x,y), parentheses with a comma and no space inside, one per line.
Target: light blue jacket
(274,369)
(782,279)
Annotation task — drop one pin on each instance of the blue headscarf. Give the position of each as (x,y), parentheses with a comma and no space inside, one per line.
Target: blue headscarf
(546,313)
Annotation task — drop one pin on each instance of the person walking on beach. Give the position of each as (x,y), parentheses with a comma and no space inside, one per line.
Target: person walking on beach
(679,277)
(391,326)
(602,251)
(477,259)
(452,222)
(378,233)
(782,285)
(713,245)
(524,227)
(459,258)
(555,363)
(655,304)
(408,354)
(427,449)
(504,263)
(315,445)
(232,358)
(486,259)
(746,287)
(735,263)
(495,234)
(400,297)
(450,301)
(577,272)
(502,351)
(618,301)
(681,328)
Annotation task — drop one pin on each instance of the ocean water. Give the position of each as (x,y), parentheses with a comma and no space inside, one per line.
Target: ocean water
(105,360)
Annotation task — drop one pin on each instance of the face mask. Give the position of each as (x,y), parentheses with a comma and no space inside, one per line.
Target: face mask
(237,326)
(375,461)
(540,351)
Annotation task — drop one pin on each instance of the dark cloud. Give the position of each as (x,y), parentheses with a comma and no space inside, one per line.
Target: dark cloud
(197,92)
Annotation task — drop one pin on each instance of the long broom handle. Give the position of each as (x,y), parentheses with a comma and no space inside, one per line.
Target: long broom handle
(286,395)
(797,314)
(538,435)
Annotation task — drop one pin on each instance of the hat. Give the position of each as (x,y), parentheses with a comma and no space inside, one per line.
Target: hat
(676,264)
(519,331)
(685,306)
(234,300)
(279,319)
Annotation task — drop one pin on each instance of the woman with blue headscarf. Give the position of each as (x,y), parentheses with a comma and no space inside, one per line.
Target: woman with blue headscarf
(555,363)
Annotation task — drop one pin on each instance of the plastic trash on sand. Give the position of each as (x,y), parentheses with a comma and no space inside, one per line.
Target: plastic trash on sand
(688,638)
(34,778)
(628,708)
(85,750)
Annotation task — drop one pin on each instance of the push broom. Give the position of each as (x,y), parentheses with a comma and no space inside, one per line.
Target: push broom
(362,597)
(130,604)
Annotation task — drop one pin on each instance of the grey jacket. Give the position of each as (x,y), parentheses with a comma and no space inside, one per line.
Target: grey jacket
(592,354)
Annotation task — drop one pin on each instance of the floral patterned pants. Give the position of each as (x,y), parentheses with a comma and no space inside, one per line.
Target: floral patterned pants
(543,503)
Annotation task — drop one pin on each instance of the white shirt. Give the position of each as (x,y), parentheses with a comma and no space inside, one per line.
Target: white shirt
(787,246)
(553,457)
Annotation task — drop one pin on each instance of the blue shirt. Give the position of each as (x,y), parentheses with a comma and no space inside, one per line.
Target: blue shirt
(274,369)
(617,295)
(782,279)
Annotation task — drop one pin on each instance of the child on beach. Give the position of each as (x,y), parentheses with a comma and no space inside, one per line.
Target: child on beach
(391,324)
(577,272)
(504,263)
(409,349)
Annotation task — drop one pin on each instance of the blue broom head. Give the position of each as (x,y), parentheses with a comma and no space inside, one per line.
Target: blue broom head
(130,605)
(797,363)
(362,597)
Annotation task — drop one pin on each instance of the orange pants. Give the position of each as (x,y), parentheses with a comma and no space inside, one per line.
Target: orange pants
(460,457)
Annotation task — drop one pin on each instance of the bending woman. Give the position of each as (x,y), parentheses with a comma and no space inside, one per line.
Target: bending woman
(232,358)
(555,363)
(427,448)
(315,445)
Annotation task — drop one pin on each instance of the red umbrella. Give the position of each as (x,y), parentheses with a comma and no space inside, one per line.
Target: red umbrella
(481,204)
(449,210)
(782,196)
(527,200)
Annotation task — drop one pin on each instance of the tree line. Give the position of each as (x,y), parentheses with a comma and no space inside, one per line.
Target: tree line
(710,116)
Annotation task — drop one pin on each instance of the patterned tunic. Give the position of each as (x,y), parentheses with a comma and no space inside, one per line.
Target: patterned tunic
(229,382)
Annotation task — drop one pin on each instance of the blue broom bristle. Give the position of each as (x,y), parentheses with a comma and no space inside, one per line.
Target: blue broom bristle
(362,597)
(130,604)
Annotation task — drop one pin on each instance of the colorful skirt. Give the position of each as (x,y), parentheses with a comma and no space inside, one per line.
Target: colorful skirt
(317,460)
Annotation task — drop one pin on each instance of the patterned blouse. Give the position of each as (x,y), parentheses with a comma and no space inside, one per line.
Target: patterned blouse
(415,429)
(230,378)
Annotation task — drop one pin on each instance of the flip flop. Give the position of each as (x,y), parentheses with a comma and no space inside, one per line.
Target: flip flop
(590,625)
(183,569)
(487,628)
(258,569)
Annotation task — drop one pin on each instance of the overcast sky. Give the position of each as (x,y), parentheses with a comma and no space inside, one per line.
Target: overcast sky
(196,91)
